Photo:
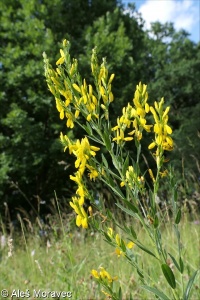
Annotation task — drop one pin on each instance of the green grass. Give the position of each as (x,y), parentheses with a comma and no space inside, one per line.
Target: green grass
(64,262)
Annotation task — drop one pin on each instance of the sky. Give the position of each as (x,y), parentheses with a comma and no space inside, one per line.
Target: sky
(185,14)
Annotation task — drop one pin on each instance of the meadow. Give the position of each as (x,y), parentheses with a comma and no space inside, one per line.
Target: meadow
(59,258)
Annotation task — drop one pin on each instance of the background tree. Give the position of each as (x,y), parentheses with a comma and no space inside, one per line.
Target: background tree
(32,164)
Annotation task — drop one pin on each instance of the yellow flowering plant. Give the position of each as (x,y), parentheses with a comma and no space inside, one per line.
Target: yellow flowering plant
(86,105)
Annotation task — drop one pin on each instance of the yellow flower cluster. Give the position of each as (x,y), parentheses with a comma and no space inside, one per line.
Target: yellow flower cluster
(133,115)
(119,242)
(103,84)
(162,130)
(83,152)
(73,96)
(103,275)
(131,177)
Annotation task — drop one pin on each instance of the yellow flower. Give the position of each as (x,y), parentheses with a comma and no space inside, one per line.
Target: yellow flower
(110,232)
(130,245)
(163,174)
(152,145)
(81,218)
(119,252)
(60,61)
(76,87)
(95,273)
(103,275)
(151,175)
(162,131)
(83,152)
(93,173)
(120,137)
(60,108)
(90,211)
(118,239)
(89,117)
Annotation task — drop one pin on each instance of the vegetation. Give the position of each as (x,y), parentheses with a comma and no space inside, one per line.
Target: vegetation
(55,263)
(169,62)
(120,185)
(87,106)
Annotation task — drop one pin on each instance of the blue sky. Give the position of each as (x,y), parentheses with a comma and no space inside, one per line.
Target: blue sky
(185,14)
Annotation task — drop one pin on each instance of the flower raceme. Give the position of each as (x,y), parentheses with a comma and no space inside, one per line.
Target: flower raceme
(132,178)
(162,131)
(73,96)
(81,218)
(133,115)
(103,275)
(82,150)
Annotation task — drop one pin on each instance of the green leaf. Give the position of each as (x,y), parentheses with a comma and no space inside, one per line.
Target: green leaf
(89,127)
(140,274)
(177,232)
(133,233)
(189,286)
(178,217)
(181,264)
(138,152)
(175,262)
(128,211)
(107,141)
(169,275)
(104,161)
(155,291)
(96,140)
(123,246)
(110,182)
(120,293)
(125,165)
(131,206)
(145,249)
(107,237)
(156,222)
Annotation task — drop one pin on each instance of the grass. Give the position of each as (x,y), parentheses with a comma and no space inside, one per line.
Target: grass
(62,262)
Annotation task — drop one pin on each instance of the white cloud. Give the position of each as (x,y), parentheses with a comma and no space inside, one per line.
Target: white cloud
(184,14)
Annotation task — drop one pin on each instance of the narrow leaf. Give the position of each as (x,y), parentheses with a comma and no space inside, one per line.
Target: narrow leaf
(107,140)
(132,212)
(189,286)
(145,249)
(133,233)
(155,291)
(169,275)
(120,293)
(89,128)
(178,217)
(175,262)
(156,222)
(104,161)
(181,264)
(125,165)
(131,206)
(140,274)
